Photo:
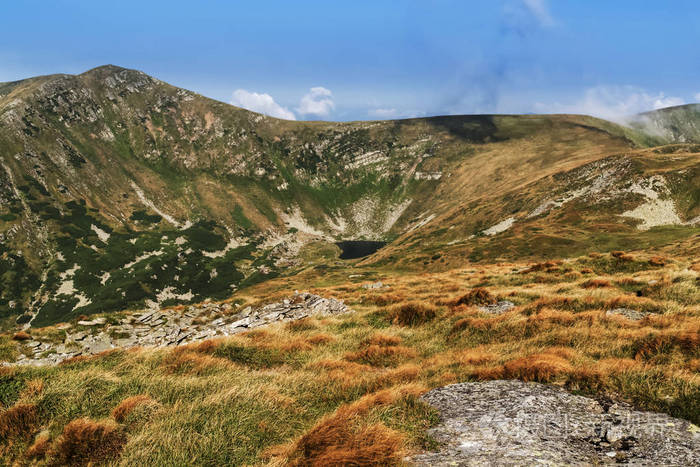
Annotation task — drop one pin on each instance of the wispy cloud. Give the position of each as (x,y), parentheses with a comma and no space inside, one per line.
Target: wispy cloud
(480,81)
(262,103)
(317,102)
(697,97)
(612,102)
(387,113)
(525,17)
(539,9)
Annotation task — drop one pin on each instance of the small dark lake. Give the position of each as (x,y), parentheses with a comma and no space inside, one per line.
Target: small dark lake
(358,248)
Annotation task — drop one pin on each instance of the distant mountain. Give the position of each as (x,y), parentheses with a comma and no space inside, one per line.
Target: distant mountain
(119,191)
(679,124)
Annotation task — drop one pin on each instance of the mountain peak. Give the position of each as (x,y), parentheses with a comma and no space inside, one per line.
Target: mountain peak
(105,69)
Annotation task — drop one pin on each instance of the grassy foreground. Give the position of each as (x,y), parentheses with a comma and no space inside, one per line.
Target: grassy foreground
(326,391)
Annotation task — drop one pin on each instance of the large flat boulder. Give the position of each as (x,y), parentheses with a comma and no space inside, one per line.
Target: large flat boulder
(518,423)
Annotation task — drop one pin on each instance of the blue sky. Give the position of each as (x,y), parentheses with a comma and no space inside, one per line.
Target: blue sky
(345,60)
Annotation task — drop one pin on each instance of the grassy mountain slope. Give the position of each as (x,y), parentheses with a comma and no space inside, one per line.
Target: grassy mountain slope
(254,398)
(120,191)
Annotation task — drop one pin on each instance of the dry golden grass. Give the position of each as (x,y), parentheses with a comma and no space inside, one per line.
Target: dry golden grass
(382,340)
(543,366)
(193,363)
(658,261)
(380,355)
(596,284)
(304,324)
(21,336)
(327,390)
(412,313)
(477,296)
(87,442)
(125,407)
(32,388)
(384,299)
(320,339)
(345,438)
(39,448)
(18,420)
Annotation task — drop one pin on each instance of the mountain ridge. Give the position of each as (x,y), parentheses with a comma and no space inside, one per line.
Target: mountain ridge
(123,191)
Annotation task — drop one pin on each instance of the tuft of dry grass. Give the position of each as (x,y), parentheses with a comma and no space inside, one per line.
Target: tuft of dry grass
(184,361)
(551,315)
(548,266)
(596,284)
(320,339)
(477,296)
(622,256)
(653,344)
(346,437)
(40,447)
(412,313)
(658,261)
(86,442)
(32,388)
(125,407)
(304,324)
(19,420)
(382,340)
(381,350)
(477,356)
(542,367)
(384,299)
(21,336)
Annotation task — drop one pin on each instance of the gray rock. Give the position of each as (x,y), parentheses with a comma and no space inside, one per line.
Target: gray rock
(78,336)
(240,323)
(373,285)
(98,344)
(145,317)
(94,322)
(627,313)
(497,308)
(517,423)
(158,328)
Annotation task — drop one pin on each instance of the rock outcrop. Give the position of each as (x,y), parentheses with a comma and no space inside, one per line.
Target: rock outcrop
(628,313)
(497,308)
(163,328)
(517,423)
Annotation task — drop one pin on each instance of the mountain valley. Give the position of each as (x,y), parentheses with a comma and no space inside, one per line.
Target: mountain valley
(179,277)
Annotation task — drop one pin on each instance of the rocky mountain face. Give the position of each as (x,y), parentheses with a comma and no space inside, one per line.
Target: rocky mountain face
(119,191)
(169,328)
(679,124)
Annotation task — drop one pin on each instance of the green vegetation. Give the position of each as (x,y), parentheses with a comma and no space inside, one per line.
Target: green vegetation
(172,197)
(255,398)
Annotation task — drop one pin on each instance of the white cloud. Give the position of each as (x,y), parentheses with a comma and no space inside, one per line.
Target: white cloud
(384,113)
(612,102)
(697,97)
(262,103)
(540,10)
(523,17)
(318,101)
